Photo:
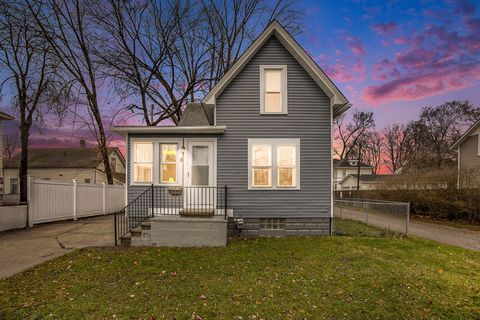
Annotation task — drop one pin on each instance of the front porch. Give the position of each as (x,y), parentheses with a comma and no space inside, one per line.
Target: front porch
(175,216)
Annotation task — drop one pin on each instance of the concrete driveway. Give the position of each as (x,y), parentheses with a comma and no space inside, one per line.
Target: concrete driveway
(23,249)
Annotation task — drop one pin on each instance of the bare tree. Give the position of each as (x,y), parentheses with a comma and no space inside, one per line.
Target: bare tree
(436,130)
(10,144)
(26,72)
(165,54)
(348,135)
(66,27)
(396,145)
(372,149)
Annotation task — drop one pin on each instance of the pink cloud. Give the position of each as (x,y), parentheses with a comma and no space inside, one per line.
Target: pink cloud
(422,85)
(340,72)
(384,28)
(355,45)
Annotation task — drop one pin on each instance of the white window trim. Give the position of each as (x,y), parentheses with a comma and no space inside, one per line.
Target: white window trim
(133,163)
(284,89)
(274,143)
(156,161)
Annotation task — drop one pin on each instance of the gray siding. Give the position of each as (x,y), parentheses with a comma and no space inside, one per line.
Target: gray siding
(469,157)
(238,107)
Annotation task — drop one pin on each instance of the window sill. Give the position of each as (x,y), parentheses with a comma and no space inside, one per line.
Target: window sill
(274,188)
(273,113)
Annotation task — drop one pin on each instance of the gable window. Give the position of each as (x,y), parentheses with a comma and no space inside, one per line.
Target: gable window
(113,164)
(273,89)
(274,163)
(143,162)
(168,165)
(13,186)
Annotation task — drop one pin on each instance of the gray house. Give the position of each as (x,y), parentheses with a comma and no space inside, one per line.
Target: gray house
(468,157)
(254,156)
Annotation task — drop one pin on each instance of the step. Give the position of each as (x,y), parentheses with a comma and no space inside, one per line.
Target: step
(136,232)
(126,241)
(197,212)
(146,225)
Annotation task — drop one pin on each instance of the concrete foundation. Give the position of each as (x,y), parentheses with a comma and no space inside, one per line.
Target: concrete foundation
(252,227)
(177,231)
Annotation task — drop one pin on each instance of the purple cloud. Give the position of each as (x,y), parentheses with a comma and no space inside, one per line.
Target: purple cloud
(384,28)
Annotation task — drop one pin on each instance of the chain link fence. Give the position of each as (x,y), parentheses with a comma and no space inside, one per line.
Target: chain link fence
(365,217)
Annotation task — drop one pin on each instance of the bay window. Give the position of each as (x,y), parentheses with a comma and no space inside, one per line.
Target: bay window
(143,162)
(274,163)
(273,89)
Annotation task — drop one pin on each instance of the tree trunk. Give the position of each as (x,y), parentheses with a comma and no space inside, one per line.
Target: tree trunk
(23,171)
(102,146)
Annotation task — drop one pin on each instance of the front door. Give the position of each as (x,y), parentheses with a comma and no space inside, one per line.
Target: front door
(200,191)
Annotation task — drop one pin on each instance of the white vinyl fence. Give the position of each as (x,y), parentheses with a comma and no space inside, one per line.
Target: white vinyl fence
(59,200)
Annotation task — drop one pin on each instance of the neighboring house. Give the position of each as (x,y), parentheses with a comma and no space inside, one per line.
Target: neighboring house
(468,150)
(343,168)
(3,117)
(367,182)
(264,131)
(65,164)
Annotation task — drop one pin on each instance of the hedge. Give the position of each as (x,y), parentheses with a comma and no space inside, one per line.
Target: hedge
(448,203)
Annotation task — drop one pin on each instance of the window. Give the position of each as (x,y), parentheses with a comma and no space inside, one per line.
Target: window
(87,180)
(113,164)
(273,89)
(274,163)
(261,165)
(168,165)
(143,162)
(13,186)
(272,224)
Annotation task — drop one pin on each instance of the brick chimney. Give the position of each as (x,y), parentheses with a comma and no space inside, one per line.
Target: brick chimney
(82,143)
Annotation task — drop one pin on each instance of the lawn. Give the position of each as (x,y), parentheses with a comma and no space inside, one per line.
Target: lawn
(264,278)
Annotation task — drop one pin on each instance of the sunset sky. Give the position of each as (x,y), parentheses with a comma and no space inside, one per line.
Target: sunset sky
(390,57)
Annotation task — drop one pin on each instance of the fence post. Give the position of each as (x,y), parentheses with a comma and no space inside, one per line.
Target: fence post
(30,201)
(408,218)
(75,187)
(104,202)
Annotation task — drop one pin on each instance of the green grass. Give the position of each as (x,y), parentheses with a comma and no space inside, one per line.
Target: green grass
(346,227)
(269,278)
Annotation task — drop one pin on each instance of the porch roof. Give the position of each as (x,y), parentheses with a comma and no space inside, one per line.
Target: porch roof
(123,130)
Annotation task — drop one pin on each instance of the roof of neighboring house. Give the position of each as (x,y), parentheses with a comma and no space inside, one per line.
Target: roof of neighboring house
(119,176)
(368,178)
(4,116)
(198,114)
(343,163)
(44,158)
(467,133)
(337,100)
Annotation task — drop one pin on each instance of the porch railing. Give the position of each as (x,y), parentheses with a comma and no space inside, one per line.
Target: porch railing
(165,200)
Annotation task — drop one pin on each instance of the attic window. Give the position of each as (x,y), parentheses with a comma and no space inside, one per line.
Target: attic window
(273,89)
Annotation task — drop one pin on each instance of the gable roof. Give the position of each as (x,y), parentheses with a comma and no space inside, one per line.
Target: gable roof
(343,163)
(338,101)
(61,158)
(5,116)
(467,133)
(198,114)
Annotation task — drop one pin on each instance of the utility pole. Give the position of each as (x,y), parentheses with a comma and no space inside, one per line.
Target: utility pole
(358,165)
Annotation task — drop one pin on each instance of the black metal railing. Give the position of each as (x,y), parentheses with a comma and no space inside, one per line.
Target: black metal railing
(174,200)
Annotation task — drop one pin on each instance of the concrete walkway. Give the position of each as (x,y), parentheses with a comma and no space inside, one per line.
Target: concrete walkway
(23,249)
(464,238)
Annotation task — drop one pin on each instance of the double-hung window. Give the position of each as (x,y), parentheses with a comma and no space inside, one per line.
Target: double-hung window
(273,89)
(274,163)
(143,162)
